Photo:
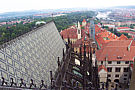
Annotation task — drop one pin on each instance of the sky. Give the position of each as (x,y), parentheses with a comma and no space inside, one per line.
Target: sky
(21,5)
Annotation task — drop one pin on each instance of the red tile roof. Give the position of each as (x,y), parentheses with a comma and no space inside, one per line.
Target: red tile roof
(115,50)
(122,37)
(109,35)
(123,28)
(99,40)
(102,67)
(97,28)
(84,20)
(69,33)
(131,32)
(72,31)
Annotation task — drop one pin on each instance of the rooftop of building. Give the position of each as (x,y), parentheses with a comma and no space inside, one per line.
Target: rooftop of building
(69,33)
(123,28)
(120,50)
(122,37)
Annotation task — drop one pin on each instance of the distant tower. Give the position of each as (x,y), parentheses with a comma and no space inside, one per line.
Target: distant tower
(84,23)
(79,30)
(92,30)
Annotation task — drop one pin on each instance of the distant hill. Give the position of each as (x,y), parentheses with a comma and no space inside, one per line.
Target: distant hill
(128,7)
(20,13)
(32,12)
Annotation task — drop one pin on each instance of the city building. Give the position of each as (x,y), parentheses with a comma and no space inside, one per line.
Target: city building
(84,23)
(70,33)
(116,59)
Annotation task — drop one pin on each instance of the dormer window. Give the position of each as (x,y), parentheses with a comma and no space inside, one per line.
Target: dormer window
(119,57)
(109,62)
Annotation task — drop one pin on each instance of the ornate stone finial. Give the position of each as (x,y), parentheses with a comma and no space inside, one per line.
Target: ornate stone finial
(22,83)
(68,40)
(88,55)
(65,84)
(32,84)
(84,50)
(51,78)
(12,82)
(63,52)
(58,62)
(80,50)
(43,85)
(3,81)
(77,86)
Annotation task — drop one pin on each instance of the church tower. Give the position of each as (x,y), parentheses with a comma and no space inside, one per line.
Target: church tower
(79,30)
(84,23)
(92,29)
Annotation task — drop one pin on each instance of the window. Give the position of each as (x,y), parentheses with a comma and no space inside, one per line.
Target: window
(117,75)
(109,75)
(109,69)
(125,78)
(102,62)
(118,62)
(119,57)
(126,69)
(117,69)
(109,62)
(78,31)
(125,75)
(126,62)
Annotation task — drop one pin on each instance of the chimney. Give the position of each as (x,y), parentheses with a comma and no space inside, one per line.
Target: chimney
(128,48)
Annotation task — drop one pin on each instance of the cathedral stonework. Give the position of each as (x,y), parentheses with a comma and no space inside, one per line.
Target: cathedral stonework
(32,55)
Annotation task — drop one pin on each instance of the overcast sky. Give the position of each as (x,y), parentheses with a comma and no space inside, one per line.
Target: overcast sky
(20,5)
